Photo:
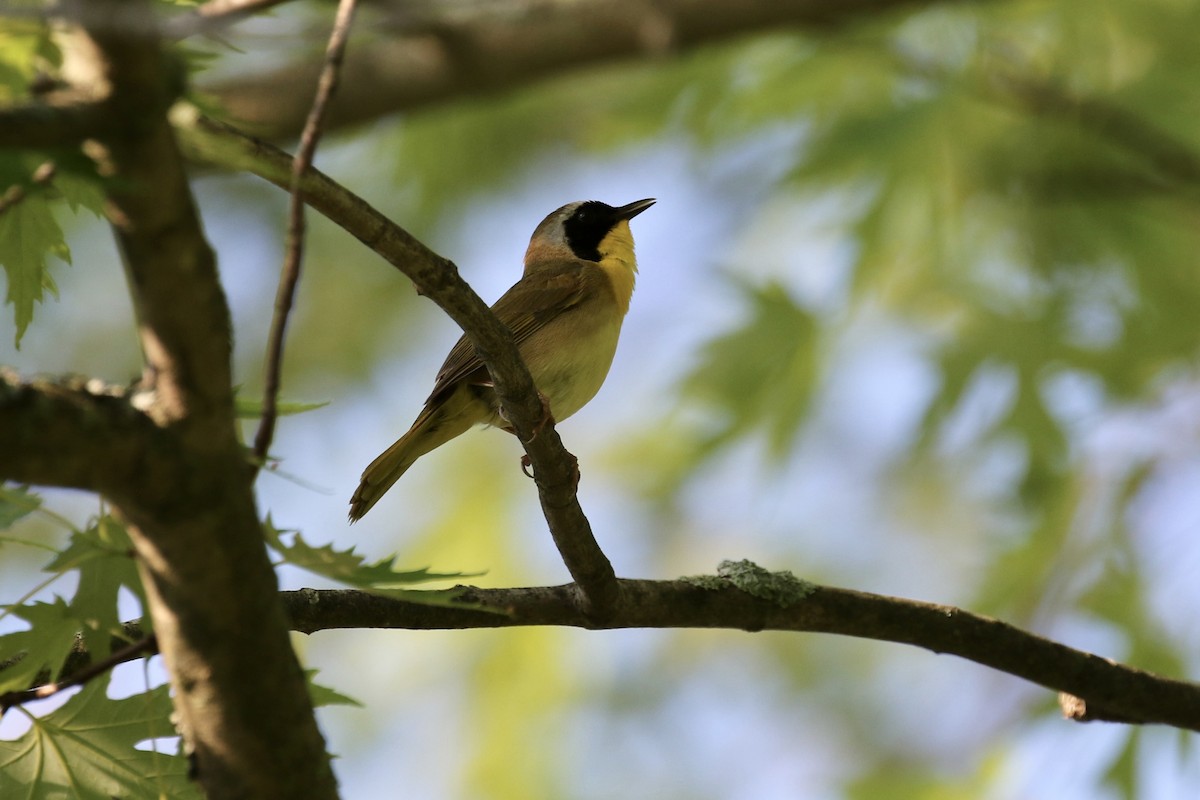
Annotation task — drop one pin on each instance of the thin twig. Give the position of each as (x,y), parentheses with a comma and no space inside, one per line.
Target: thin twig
(149,645)
(290,275)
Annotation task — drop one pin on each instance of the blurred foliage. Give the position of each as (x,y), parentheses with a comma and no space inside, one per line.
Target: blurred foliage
(1015,187)
(761,375)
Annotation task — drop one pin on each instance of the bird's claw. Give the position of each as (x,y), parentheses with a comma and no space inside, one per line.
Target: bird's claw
(546,419)
(525,462)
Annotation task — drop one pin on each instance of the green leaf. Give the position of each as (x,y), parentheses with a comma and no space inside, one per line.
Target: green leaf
(251,408)
(78,185)
(325,696)
(16,503)
(85,750)
(1122,773)
(763,374)
(346,566)
(28,233)
(25,46)
(103,554)
(44,647)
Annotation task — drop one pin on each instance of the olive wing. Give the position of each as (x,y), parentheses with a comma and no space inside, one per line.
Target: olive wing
(525,308)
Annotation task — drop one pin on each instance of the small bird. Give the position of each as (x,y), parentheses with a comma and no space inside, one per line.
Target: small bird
(565,314)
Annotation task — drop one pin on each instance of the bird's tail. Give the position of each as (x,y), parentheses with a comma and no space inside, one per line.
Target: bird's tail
(436,425)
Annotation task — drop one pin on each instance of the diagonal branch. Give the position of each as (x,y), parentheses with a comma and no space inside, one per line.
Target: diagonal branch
(1171,160)
(289,276)
(128,652)
(212,142)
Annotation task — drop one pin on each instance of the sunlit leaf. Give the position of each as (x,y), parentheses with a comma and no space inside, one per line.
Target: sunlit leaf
(16,503)
(44,647)
(325,696)
(103,555)
(85,750)
(251,407)
(346,566)
(28,235)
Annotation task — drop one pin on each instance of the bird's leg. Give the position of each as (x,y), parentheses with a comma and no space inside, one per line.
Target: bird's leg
(547,417)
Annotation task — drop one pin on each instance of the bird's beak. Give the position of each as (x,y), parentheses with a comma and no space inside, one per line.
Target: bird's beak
(633,209)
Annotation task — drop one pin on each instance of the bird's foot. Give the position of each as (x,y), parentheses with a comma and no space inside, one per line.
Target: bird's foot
(547,418)
(574,468)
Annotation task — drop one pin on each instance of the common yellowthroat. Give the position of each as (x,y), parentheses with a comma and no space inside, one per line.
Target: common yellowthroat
(565,314)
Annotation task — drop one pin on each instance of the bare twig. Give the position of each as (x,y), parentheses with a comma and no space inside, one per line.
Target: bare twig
(290,275)
(147,646)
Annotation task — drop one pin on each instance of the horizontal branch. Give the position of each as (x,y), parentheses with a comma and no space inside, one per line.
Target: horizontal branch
(49,124)
(491,48)
(1110,690)
(1093,688)
(212,142)
(77,433)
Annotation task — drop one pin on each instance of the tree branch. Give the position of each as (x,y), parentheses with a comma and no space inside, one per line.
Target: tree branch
(497,48)
(78,433)
(1098,688)
(240,696)
(214,15)
(52,123)
(212,142)
(1110,690)
(127,652)
(1171,160)
(289,276)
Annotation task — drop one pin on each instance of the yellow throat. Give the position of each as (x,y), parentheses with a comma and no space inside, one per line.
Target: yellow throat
(619,263)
